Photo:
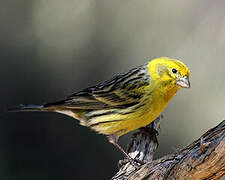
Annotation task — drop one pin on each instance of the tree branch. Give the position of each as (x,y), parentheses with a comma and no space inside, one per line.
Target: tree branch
(202,159)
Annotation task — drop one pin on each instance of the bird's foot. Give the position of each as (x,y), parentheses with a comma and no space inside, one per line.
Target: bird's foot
(134,162)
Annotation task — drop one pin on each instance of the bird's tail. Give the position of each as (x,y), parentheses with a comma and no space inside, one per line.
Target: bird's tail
(47,108)
(31,107)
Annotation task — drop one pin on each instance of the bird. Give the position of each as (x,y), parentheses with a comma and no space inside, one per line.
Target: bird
(124,103)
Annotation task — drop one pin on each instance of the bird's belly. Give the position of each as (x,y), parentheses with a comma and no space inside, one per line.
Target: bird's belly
(128,123)
(118,124)
(139,121)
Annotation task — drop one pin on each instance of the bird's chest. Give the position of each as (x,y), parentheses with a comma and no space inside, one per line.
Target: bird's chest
(156,105)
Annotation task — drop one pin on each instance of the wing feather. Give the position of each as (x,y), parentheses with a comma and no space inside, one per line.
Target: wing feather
(122,91)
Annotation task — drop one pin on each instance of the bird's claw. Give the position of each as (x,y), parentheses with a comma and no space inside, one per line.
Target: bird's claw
(134,162)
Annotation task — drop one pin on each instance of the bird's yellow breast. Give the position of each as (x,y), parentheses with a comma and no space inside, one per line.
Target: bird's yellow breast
(121,124)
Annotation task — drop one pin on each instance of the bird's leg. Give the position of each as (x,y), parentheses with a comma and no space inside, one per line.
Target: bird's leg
(112,139)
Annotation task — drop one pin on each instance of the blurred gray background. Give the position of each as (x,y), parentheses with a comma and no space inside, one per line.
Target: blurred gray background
(52,48)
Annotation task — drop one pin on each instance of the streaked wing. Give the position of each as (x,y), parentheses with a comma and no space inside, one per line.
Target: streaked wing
(123,90)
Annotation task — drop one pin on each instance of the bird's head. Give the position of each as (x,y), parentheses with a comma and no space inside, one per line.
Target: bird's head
(171,72)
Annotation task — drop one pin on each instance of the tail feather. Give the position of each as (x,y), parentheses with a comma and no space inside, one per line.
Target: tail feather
(31,107)
(38,108)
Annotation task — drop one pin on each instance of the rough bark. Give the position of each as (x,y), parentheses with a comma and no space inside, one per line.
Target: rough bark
(202,159)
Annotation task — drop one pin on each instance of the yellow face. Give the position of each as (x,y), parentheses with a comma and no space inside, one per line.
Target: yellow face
(170,71)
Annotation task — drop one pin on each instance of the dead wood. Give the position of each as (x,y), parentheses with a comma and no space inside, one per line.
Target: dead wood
(202,159)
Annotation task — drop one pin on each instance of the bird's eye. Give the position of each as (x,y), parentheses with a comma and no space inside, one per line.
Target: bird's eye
(174,70)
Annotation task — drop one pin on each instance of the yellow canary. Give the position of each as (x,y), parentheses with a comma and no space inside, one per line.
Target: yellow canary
(126,102)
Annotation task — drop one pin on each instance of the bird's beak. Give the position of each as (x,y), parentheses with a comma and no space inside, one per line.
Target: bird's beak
(184,82)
